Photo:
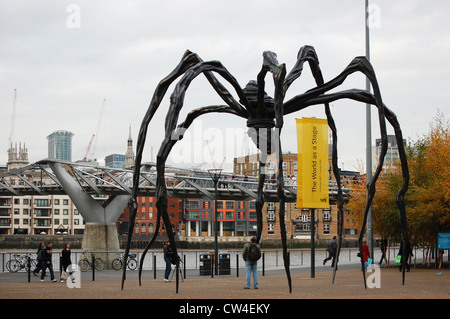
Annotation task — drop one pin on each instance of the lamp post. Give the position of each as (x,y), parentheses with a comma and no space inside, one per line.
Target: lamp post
(215,176)
(368,139)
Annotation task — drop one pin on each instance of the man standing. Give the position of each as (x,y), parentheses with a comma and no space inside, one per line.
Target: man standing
(331,249)
(47,262)
(251,255)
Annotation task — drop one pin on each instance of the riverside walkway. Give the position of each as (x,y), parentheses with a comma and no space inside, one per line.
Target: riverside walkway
(420,283)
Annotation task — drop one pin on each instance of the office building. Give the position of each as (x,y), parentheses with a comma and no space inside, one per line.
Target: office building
(60,145)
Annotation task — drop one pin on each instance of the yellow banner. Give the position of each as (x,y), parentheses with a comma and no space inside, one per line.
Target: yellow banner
(312,143)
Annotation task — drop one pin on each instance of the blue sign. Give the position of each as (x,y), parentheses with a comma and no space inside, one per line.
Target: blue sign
(443,240)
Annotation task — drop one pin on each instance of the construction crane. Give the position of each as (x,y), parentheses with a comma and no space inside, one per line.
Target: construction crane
(89,147)
(98,129)
(13,118)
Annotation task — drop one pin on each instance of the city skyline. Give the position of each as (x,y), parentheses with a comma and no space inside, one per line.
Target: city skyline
(77,68)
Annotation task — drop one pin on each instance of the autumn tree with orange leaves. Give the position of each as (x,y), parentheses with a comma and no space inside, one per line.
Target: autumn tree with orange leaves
(428,196)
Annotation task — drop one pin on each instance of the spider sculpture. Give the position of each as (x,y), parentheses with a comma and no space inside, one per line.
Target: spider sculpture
(265,118)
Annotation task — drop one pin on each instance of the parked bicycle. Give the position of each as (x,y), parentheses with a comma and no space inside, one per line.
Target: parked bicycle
(19,262)
(117,263)
(85,264)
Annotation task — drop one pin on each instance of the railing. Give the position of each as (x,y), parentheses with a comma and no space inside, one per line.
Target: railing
(273,258)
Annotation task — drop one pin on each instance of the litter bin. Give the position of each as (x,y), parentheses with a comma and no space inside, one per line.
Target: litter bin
(224,264)
(205,265)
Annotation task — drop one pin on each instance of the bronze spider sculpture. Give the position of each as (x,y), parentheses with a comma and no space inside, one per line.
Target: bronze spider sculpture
(264,117)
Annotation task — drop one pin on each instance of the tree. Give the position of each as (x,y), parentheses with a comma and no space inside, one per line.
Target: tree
(428,196)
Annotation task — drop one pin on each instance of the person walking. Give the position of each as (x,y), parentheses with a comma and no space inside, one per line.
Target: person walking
(383,247)
(366,254)
(65,261)
(167,256)
(251,255)
(405,255)
(39,259)
(332,250)
(47,262)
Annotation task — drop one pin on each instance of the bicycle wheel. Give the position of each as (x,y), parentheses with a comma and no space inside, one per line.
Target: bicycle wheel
(98,264)
(132,264)
(84,265)
(116,264)
(33,264)
(13,265)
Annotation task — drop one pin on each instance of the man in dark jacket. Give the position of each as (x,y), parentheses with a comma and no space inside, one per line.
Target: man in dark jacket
(251,264)
(47,262)
(331,249)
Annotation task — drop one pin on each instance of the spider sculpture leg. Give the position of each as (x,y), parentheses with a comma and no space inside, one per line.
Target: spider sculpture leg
(308,54)
(270,64)
(317,96)
(191,66)
(312,97)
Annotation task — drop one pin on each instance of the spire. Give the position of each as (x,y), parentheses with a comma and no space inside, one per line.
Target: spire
(129,155)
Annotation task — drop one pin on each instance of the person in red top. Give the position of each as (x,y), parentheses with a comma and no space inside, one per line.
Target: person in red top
(366,254)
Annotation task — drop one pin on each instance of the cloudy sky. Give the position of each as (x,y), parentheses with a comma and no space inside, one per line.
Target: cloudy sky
(90,67)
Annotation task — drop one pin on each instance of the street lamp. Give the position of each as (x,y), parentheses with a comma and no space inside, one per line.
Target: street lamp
(215,176)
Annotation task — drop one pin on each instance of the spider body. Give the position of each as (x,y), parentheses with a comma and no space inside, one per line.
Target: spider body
(264,116)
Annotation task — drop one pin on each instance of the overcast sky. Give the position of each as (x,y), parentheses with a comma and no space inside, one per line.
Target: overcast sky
(65,58)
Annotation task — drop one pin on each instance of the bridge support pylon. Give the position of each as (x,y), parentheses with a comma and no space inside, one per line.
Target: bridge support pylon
(100,233)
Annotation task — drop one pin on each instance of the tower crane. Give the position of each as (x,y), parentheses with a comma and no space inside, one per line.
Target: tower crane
(89,147)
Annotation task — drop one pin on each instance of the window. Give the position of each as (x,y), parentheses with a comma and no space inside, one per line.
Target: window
(56,212)
(65,202)
(229,205)
(326,215)
(42,202)
(65,212)
(192,204)
(56,201)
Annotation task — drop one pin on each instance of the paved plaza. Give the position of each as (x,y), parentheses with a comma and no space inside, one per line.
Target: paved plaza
(420,284)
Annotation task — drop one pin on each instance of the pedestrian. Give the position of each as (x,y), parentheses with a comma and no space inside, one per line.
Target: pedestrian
(47,262)
(39,259)
(366,254)
(383,247)
(251,255)
(65,261)
(332,250)
(167,256)
(405,256)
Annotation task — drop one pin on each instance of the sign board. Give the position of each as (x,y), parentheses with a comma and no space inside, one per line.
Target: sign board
(312,144)
(443,241)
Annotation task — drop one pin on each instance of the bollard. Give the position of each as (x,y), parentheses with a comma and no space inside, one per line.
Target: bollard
(237,265)
(212,266)
(184,266)
(263,265)
(154,266)
(29,268)
(93,266)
